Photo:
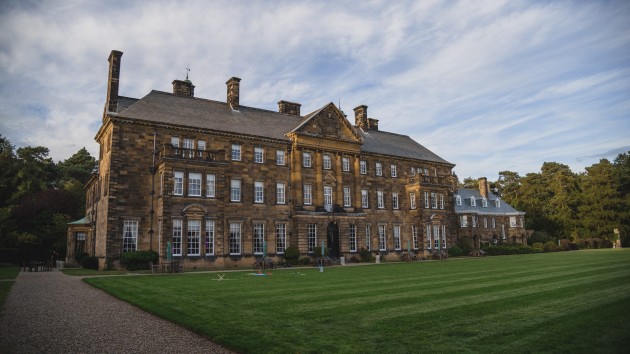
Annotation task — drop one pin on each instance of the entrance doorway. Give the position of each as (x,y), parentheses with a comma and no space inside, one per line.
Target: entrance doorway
(333,240)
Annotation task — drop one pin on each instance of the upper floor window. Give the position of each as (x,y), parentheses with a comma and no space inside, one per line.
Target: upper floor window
(412,200)
(308,194)
(259,155)
(345,164)
(379,169)
(513,221)
(306,159)
(485,222)
(280,193)
(497,203)
(393,171)
(433,200)
(175,141)
(211,183)
(473,202)
(236,152)
(347,201)
(194,184)
(426,200)
(458,200)
(259,192)
(395,200)
(441,201)
(188,144)
(494,223)
(328,198)
(380,201)
(327,163)
(364,198)
(363,167)
(484,202)
(201,145)
(235,190)
(464,220)
(412,171)
(280,157)
(178,183)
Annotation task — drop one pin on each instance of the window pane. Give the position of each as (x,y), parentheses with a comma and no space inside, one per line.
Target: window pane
(209,237)
(235,238)
(281,238)
(280,193)
(259,192)
(194,237)
(194,184)
(178,183)
(280,157)
(235,193)
(210,186)
(259,238)
(177,238)
(130,235)
(236,152)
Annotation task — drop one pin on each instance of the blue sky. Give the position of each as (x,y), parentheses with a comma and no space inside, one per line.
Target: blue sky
(487,85)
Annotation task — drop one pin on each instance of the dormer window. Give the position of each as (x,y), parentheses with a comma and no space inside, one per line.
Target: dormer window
(497,203)
(458,200)
(484,202)
(472,201)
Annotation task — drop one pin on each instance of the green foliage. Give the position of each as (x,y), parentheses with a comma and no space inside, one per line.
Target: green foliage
(455,251)
(551,247)
(89,262)
(366,256)
(538,246)
(79,257)
(292,254)
(468,183)
(502,250)
(137,260)
(538,237)
(465,244)
(304,261)
(318,251)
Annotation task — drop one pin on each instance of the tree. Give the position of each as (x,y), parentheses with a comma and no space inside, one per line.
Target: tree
(621,173)
(507,186)
(469,183)
(598,211)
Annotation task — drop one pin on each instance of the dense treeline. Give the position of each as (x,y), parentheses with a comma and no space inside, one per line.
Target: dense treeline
(38,197)
(561,204)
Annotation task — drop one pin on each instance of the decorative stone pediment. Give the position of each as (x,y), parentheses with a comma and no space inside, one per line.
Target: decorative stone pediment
(329,178)
(329,123)
(194,211)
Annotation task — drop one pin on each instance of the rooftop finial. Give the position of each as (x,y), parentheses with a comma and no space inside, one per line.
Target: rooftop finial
(187,71)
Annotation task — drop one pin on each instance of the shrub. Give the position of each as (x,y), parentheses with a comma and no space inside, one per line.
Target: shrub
(510,249)
(455,251)
(538,246)
(89,262)
(137,260)
(355,259)
(465,244)
(538,236)
(79,257)
(366,256)
(606,243)
(565,245)
(551,246)
(304,261)
(318,251)
(291,255)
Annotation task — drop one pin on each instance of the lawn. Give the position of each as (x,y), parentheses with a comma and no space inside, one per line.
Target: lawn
(573,302)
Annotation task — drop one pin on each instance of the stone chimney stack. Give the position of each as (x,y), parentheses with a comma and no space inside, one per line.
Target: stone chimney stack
(233,92)
(361,117)
(183,88)
(111,105)
(289,108)
(484,187)
(372,124)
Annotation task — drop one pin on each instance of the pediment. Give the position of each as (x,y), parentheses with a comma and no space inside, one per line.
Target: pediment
(194,210)
(330,123)
(329,178)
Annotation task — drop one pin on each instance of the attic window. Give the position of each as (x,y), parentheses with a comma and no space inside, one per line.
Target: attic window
(497,203)
(472,201)
(458,200)
(484,202)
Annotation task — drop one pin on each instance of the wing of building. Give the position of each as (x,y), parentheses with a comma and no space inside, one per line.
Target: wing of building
(486,219)
(220,184)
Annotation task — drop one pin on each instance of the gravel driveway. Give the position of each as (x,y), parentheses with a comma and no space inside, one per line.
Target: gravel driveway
(49,312)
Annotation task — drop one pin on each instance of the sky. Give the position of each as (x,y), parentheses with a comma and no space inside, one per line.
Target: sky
(487,85)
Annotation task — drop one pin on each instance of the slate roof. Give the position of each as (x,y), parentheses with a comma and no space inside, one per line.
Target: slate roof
(166,108)
(466,207)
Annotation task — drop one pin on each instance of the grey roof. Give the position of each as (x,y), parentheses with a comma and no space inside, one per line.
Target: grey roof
(166,108)
(466,207)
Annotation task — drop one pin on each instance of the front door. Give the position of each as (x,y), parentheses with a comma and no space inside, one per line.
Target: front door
(333,240)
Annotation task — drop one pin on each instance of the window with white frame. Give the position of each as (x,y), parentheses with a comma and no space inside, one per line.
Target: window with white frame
(194,184)
(259,238)
(236,152)
(512,221)
(412,200)
(280,193)
(194,237)
(235,238)
(201,147)
(379,169)
(380,201)
(412,171)
(306,159)
(441,201)
(436,236)
(429,236)
(178,183)
(177,237)
(280,160)
(235,190)
(259,155)
(503,231)
(188,144)
(328,198)
(382,238)
(259,192)
(397,241)
(308,194)
(211,185)
(464,220)
(485,222)
(484,202)
(473,202)
(364,198)
(345,164)
(162,183)
(363,167)
(368,238)
(175,141)
(353,238)
(494,223)
(474,221)
(426,200)
(393,171)
(433,200)
(394,200)
(327,162)
(497,203)
(443,236)
(312,237)
(347,201)
(130,235)
(209,237)
(281,238)
(458,200)
(414,237)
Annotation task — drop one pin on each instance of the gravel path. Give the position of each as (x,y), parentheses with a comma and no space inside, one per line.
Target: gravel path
(49,312)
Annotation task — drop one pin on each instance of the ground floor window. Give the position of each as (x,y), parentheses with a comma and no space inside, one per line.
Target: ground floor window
(414,236)
(436,236)
(443,236)
(281,238)
(235,238)
(312,237)
(79,243)
(382,238)
(397,242)
(353,238)
(259,238)
(368,238)
(130,235)
(429,235)
(177,238)
(194,237)
(209,237)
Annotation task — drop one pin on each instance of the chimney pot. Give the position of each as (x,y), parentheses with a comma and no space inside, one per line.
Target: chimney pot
(361,117)
(372,124)
(113,80)
(183,88)
(291,108)
(483,187)
(233,86)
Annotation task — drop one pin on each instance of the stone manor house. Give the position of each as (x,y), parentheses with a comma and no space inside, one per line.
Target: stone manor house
(218,184)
